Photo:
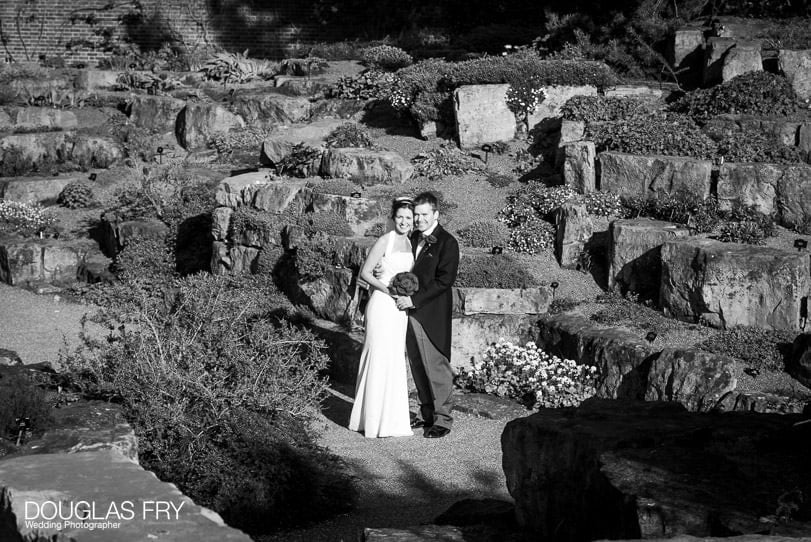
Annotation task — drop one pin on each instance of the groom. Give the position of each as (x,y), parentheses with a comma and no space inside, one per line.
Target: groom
(428,340)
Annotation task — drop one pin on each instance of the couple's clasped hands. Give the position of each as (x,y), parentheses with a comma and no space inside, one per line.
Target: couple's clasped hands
(403,301)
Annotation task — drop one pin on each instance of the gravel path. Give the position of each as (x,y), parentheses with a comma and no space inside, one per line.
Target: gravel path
(408,481)
(37,326)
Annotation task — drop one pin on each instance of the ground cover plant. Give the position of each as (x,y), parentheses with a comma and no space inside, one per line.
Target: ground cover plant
(531,376)
(220,388)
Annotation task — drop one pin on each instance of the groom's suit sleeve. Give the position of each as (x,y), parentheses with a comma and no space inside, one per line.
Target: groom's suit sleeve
(443,278)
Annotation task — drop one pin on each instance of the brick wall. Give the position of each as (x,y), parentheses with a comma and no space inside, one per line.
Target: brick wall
(73,29)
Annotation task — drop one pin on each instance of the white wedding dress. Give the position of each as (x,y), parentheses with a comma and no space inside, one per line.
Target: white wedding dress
(381,391)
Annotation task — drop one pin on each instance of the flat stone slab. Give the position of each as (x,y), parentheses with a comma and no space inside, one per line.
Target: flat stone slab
(473,334)
(652,176)
(103,496)
(467,301)
(261,108)
(554,99)
(39,118)
(280,143)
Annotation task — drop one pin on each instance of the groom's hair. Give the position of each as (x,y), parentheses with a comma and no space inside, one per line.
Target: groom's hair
(426,197)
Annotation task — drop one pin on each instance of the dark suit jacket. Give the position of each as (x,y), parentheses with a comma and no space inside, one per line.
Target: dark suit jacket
(436,268)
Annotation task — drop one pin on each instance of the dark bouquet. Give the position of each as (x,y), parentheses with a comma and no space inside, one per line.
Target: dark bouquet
(404,283)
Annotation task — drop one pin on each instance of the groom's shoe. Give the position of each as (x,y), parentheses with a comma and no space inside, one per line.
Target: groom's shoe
(437,431)
(416,423)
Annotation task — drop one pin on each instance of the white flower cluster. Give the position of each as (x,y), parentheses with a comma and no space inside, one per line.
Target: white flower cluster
(524,99)
(531,375)
(399,97)
(25,218)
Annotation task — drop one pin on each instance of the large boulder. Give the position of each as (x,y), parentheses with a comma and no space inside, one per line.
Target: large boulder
(635,92)
(263,109)
(621,357)
(36,147)
(554,99)
(634,254)
(41,118)
(44,190)
(260,191)
(281,142)
(360,213)
(694,378)
(653,470)
(772,189)
(116,233)
(574,229)
(730,284)
(198,122)
(473,334)
(796,65)
(482,115)
(90,79)
(157,113)
(652,176)
(25,261)
(95,152)
(366,166)
(743,58)
(714,53)
(579,169)
(330,296)
(687,49)
(799,362)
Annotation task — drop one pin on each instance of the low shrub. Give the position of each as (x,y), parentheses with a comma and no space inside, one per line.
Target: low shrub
(265,227)
(221,389)
(529,375)
(146,261)
(755,93)
(26,219)
(750,232)
(313,258)
(338,50)
(751,146)
(523,98)
(628,310)
(76,195)
(602,203)
(493,271)
(349,134)
(683,207)
(369,85)
(310,65)
(444,161)
(485,233)
(667,134)
(21,397)
(386,57)
(325,222)
(338,187)
(534,199)
(499,180)
(247,138)
(763,349)
(302,161)
(237,68)
(532,236)
(603,108)
(427,86)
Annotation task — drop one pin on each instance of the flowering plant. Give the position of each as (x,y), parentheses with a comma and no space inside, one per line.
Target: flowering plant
(24,218)
(404,283)
(523,97)
(530,375)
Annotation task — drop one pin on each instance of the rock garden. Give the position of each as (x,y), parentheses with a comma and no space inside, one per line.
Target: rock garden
(637,246)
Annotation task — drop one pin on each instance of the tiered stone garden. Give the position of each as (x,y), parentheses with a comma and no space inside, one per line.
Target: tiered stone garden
(297,195)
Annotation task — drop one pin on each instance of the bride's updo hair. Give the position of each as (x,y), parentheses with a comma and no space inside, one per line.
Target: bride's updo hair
(403,202)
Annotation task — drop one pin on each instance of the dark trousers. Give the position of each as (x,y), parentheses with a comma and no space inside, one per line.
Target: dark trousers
(432,375)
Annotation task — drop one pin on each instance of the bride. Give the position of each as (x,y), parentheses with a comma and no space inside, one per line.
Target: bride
(381,391)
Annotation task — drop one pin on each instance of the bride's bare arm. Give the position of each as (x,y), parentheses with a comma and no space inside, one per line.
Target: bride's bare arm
(367,271)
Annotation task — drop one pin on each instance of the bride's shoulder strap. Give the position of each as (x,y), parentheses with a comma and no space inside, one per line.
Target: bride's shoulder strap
(389,243)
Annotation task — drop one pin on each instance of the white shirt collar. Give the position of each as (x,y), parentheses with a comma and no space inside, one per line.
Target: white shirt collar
(430,230)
